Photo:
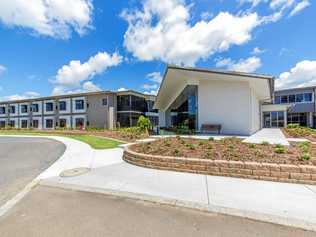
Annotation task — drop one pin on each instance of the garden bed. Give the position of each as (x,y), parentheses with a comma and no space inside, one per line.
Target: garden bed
(230,149)
(227,157)
(300,132)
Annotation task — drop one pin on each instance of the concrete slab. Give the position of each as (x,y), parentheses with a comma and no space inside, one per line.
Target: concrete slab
(312,188)
(270,135)
(128,178)
(277,199)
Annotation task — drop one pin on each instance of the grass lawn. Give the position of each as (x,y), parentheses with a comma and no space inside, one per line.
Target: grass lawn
(95,142)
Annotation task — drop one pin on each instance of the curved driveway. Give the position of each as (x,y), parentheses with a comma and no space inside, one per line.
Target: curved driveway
(22,160)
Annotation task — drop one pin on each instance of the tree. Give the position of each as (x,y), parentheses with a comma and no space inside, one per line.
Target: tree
(144,123)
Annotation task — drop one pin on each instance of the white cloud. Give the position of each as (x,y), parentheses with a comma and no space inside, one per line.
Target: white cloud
(54,18)
(162,31)
(299,7)
(257,51)
(147,86)
(75,75)
(26,95)
(2,69)
(254,3)
(243,65)
(154,77)
(121,89)
(89,86)
(303,74)
(151,92)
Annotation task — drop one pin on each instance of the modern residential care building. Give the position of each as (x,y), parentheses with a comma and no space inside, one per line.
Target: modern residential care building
(237,103)
(105,109)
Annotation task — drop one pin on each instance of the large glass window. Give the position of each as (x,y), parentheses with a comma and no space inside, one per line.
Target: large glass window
(62,106)
(11,123)
(300,118)
(277,99)
(2,124)
(79,123)
(12,109)
(23,123)
(49,106)
(273,119)
(34,108)
(292,98)
(123,103)
(308,97)
(79,104)
(284,99)
(24,108)
(62,123)
(299,98)
(35,123)
(2,110)
(49,123)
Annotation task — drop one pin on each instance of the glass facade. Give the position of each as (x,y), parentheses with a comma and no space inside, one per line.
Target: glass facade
(300,118)
(62,106)
(273,119)
(184,109)
(294,98)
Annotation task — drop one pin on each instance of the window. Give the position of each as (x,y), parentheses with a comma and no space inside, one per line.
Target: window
(35,108)
(273,119)
(308,97)
(11,123)
(277,100)
(2,110)
(292,98)
(299,98)
(12,109)
(123,103)
(24,109)
(35,124)
(2,124)
(105,101)
(23,123)
(62,106)
(79,104)
(49,106)
(284,99)
(49,123)
(62,123)
(79,122)
(300,118)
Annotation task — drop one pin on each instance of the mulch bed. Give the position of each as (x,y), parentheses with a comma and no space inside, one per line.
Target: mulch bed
(226,149)
(300,133)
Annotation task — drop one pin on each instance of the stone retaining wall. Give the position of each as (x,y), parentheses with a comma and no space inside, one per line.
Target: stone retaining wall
(251,170)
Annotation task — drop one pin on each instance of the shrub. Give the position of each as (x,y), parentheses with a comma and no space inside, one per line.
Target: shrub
(190,146)
(279,149)
(176,151)
(209,146)
(306,156)
(167,142)
(293,125)
(265,143)
(144,123)
(305,146)
(252,146)
(211,139)
(201,143)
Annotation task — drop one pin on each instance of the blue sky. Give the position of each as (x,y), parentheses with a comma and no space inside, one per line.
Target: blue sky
(80,45)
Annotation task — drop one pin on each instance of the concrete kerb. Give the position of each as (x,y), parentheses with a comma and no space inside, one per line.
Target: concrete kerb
(296,223)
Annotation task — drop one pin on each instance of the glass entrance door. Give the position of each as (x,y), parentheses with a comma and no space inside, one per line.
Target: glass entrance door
(273,119)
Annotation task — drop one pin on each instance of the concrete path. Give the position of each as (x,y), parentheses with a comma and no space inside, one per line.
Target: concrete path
(270,135)
(81,214)
(282,203)
(288,204)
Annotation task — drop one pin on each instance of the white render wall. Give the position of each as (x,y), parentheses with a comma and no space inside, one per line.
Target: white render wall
(229,104)
(255,112)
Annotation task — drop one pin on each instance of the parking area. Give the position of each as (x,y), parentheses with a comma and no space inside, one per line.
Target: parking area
(22,159)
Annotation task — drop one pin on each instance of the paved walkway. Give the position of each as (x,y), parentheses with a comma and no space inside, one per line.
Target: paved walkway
(82,214)
(271,135)
(282,203)
(289,204)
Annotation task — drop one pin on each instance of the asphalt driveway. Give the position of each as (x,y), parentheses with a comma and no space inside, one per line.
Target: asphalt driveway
(22,159)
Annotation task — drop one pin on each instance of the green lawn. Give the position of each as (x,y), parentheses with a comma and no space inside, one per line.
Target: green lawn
(94,141)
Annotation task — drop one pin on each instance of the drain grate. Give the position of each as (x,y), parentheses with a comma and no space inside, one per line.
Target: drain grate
(74,172)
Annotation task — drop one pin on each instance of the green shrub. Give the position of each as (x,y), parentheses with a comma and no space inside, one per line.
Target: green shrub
(252,146)
(209,146)
(144,123)
(190,146)
(201,143)
(176,151)
(167,142)
(211,139)
(293,125)
(279,149)
(265,143)
(305,146)
(306,156)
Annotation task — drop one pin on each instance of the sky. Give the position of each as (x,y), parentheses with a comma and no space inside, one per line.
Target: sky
(51,47)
